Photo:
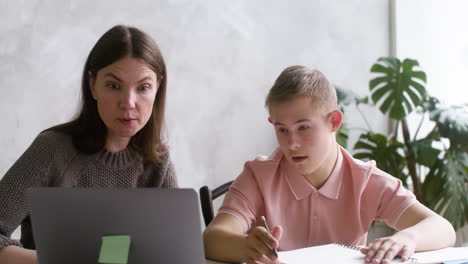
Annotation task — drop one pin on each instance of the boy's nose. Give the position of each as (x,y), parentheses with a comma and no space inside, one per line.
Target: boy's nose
(293,142)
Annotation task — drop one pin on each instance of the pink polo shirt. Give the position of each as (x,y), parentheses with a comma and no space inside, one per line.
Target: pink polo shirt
(341,211)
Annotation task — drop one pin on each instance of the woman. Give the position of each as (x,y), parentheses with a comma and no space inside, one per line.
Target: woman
(114,142)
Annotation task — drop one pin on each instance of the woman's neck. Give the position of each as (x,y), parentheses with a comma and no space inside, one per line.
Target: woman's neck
(117,144)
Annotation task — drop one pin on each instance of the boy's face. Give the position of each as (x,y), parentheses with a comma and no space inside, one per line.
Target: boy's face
(305,133)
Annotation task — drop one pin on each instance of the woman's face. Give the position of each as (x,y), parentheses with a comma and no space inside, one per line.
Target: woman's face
(125,92)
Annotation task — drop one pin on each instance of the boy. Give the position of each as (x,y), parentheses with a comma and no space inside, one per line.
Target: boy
(313,192)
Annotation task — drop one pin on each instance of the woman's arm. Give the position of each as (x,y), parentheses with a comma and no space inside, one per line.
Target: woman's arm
(28,171)
(17,255)
(169,174)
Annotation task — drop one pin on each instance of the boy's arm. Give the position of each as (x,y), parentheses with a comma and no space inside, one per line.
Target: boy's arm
(419,228)
(429,230)
(225,240)
(17,255)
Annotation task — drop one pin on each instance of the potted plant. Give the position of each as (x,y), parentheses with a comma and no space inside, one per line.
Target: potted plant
(434,165)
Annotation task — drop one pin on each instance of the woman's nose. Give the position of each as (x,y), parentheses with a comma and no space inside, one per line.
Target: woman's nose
(127,99)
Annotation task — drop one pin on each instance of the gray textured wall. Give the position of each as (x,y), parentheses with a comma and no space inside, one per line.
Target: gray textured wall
(222,58)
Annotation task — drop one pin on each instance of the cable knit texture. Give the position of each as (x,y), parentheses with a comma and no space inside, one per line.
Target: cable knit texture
(53,161)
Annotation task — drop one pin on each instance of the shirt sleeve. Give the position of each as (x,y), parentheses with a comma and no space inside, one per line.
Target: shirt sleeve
(243,200)
(170,177)
(159,174)
(28,171)
(392,197)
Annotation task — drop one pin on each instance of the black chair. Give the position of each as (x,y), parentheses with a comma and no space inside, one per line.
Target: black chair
(206,199)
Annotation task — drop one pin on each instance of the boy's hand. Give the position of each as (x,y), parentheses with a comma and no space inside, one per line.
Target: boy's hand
(384,250)
(259,245)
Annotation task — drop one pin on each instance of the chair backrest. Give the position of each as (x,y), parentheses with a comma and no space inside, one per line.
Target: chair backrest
(206,199)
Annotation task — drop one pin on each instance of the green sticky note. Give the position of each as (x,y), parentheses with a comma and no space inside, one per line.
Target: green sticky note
(114,249)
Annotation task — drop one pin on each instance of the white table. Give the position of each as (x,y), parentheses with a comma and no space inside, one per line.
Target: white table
(213,262)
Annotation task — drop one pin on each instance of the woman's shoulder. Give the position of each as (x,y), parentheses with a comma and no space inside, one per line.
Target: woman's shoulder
(53,137)
(163,161)
(53,141)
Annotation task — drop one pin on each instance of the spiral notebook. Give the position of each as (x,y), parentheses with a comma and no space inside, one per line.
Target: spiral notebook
(340,253)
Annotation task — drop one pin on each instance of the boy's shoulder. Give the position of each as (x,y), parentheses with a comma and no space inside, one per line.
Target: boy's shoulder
(264,165)
(365,170)
(264,160)
(357,167)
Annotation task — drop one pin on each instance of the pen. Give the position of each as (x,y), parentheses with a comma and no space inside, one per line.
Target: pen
(268,229)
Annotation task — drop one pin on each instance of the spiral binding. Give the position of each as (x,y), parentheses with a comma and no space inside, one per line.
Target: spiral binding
(357,248)
(353,247)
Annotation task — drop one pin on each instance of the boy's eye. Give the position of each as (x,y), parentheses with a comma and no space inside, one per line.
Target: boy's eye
(303,128)
(282,130)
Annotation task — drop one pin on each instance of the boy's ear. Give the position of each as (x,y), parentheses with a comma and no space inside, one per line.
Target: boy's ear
(269,120)
(336,118)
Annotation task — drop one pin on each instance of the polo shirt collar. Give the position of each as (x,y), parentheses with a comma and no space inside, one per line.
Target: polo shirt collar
(301,188)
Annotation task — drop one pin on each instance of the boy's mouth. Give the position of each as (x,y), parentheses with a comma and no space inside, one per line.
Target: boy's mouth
(299,159)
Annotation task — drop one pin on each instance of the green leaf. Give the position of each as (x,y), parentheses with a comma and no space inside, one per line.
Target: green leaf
(363,100)
(446,186)
(342,136)
(348,97)
(401,84)
(452,123)
(420,75)
(386,154)
(345,96)
(377,95)
(376,81)
(380,68)
(425,154)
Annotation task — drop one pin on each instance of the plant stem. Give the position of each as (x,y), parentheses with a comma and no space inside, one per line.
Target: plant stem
(364,117)
(411,161)
(419,127)
(394,135)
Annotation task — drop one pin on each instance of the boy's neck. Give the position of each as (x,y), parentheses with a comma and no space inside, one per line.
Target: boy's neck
(320,176)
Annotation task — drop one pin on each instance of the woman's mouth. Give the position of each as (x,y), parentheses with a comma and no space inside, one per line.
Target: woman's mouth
(126,121)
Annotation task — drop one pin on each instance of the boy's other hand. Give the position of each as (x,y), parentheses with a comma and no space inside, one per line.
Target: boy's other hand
(384,250)
(259,245)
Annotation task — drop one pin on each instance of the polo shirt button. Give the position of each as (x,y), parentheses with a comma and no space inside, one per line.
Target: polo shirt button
(315,218)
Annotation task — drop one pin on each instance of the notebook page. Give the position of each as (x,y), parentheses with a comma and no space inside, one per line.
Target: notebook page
(326,254)
(438,256)
(321,254)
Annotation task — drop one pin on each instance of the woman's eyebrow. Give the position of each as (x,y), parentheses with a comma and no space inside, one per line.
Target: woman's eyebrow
(113,76)
(145,79)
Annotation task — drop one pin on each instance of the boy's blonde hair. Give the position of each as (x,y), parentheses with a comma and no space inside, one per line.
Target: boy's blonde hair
(301,81)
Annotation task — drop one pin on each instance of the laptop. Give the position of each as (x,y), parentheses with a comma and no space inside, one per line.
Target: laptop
(164,225)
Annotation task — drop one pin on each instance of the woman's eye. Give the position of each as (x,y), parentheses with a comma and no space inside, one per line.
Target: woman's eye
(144,87)
(113,86)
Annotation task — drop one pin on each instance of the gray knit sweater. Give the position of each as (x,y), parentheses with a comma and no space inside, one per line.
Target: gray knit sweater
(52,160)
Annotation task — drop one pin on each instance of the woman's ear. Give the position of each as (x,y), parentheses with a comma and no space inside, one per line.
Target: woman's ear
(336,118)
(91,83)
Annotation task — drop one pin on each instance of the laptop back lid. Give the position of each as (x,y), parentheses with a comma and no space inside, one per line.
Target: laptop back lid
(163,224)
